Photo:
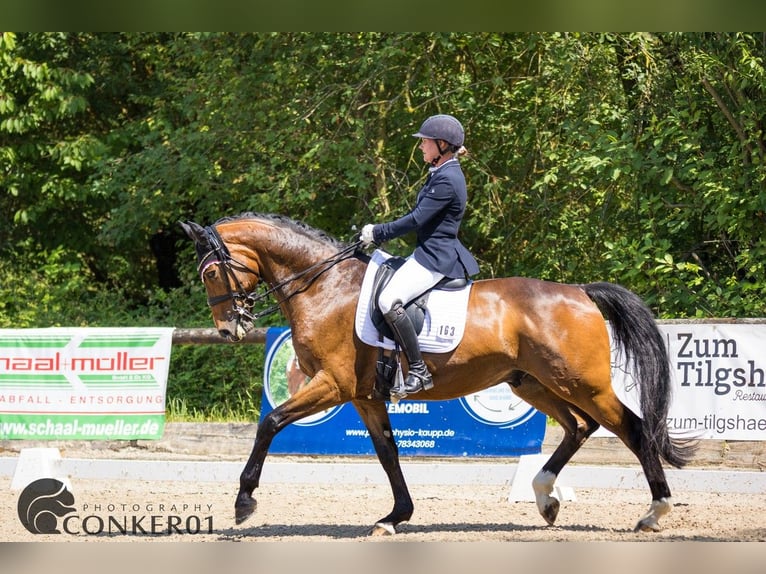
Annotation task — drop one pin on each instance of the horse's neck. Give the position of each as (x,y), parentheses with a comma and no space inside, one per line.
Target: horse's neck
(328,287)
(280,264)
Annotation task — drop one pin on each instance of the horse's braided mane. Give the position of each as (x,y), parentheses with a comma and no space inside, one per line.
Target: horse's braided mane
(284,221)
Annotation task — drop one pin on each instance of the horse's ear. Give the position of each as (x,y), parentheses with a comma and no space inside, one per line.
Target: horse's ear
(195,231)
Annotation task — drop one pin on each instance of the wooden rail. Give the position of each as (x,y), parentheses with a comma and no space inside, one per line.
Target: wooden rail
(210,336)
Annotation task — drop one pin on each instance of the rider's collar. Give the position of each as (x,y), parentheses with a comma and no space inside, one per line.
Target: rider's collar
(434,169)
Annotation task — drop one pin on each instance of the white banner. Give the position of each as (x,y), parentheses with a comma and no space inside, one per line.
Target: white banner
(719,381)
(83,383)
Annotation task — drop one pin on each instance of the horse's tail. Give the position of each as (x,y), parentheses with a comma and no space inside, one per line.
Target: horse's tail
(635,331)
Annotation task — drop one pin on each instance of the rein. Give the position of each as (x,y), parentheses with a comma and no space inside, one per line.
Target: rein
(244,302)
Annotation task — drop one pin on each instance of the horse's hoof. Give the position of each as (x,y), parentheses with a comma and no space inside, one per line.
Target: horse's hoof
(647,526)
(650,522)
(383,529)
(244,507)
(551,510)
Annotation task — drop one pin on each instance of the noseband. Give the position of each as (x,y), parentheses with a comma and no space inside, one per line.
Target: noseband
(243,301)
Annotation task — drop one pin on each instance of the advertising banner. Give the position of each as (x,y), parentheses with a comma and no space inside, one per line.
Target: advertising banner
(83,383)
(493,422)
(718,373)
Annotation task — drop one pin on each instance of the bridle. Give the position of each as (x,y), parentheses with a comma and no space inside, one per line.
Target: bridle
(243,301)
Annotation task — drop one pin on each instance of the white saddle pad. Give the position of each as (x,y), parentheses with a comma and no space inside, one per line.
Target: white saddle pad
(444,322)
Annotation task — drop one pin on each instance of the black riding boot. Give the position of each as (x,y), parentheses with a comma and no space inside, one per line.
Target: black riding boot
(418,376)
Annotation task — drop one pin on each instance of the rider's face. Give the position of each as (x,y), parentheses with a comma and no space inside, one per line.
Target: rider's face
(430,150)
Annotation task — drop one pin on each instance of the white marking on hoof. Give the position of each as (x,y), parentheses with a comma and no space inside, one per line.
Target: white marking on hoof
(547,505)
(650,522)
(384,527)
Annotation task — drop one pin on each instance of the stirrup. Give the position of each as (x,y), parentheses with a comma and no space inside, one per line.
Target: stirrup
(415,383)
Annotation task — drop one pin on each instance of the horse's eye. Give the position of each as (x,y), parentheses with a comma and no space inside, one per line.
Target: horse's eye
(210,274)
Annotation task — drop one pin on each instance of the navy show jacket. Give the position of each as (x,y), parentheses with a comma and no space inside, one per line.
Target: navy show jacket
(436,219)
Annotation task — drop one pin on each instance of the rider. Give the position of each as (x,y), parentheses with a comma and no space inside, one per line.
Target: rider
(438,253)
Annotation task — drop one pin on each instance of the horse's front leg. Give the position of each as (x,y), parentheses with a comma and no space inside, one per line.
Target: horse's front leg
(319,394)
(374,414)
(269,426)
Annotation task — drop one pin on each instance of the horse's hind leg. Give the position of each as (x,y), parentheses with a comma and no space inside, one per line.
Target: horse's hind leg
(375,417)
(577,425)
(628,427)
(631,433)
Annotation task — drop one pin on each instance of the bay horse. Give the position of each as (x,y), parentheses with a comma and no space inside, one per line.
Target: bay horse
(548,340)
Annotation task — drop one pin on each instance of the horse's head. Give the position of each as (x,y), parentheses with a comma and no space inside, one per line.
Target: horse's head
(230,284)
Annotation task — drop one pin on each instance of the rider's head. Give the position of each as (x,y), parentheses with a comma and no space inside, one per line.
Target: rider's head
(446,131)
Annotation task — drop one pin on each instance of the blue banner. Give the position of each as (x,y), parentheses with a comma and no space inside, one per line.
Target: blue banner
(493,422)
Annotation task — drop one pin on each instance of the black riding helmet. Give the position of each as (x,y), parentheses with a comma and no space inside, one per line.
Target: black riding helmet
(443,127)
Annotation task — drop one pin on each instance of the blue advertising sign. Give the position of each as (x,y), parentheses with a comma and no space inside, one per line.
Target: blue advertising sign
(493,422)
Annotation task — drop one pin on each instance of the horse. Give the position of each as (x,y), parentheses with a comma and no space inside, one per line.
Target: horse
(549,341)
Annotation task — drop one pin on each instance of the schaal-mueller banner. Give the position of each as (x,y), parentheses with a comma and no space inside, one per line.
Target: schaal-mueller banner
(83,383)
(719,380)
(493,422)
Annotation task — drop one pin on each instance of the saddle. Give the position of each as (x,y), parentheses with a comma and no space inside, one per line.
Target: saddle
(439,315)
(388,366)
(415,309)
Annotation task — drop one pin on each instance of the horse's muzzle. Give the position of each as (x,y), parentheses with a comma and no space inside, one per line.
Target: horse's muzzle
(235,330)
(228,335)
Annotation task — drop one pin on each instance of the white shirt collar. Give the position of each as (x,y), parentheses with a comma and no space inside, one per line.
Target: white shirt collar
(434,169)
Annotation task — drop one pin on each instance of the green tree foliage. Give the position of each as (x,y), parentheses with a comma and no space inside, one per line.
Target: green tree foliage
(635,158)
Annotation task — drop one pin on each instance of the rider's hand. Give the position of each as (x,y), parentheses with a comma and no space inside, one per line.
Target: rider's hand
(367,236)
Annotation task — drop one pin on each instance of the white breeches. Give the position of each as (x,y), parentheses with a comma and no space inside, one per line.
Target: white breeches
(409,281)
